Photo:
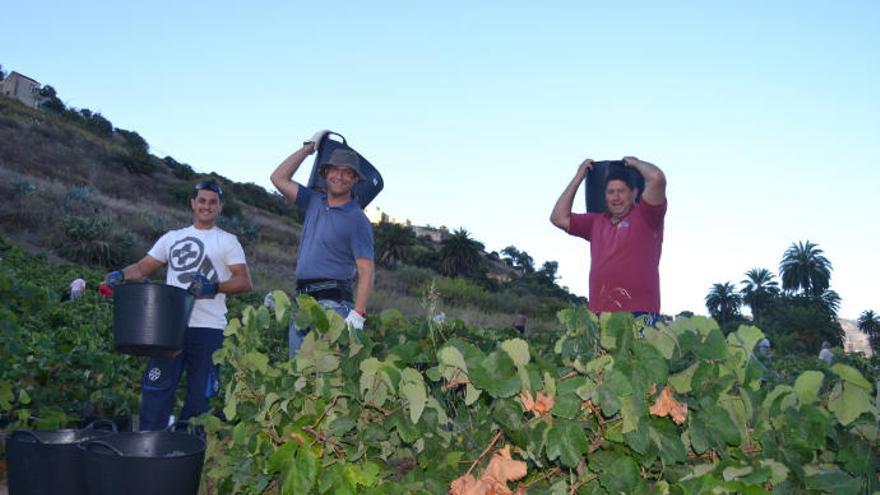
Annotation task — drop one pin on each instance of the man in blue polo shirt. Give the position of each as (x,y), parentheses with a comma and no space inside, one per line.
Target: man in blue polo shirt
(337,239)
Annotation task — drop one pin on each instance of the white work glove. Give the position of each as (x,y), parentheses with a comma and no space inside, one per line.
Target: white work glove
(316,138)
(355,320)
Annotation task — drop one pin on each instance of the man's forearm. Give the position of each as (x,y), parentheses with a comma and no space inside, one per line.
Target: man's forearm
(238,283)
(562,209)
(364,288)
(285,171)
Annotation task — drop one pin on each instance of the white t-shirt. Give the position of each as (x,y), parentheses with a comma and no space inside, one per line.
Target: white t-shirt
(189,251)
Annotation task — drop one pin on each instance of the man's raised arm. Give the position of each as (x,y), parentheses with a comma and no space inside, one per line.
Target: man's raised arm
(655,180)
(561,215)
(282,177)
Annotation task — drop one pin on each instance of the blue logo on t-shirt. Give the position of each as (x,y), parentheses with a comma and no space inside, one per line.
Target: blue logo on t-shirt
(624,224)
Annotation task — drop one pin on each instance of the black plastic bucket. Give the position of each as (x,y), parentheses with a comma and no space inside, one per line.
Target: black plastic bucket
(143,463)
(596,178)
(364,191)
(150,319)
(48,462)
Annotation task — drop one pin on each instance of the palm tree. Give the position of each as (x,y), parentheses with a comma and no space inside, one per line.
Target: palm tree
(804,268)
(829,300)
(723,302)
(394,244)
(869,324)
(758,290)
(460,254)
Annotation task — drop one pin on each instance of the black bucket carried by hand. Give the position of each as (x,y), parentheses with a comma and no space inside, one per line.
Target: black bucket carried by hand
(150,319)
(365,190)
(49,462)
(144,463)
(596,178)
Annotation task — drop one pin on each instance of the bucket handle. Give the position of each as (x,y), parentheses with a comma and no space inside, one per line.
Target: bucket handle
(331,133)
(101,422)
(104,444)
(28,433)
(187,426)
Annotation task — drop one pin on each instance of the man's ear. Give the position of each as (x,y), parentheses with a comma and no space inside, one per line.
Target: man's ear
(636,195)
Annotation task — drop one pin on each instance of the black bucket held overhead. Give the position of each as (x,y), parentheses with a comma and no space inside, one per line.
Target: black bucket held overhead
(49,462)
(596,178)
(143,463)
(150,319)
(364,191)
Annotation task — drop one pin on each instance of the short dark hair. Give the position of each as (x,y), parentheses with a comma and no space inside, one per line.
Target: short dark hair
(207,185)
(621,175)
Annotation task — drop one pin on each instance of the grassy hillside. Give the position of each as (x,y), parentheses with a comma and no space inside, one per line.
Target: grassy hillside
(78,190)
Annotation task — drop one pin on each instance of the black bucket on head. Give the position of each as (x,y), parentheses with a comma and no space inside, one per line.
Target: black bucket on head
(365,190)
(48,462)
(596,178)
(143,463)
(150,319)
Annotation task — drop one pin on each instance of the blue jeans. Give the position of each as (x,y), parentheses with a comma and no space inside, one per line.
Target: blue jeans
(295,336)
(159,383)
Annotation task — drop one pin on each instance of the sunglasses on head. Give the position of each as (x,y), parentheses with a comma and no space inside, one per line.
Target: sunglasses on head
(207,185)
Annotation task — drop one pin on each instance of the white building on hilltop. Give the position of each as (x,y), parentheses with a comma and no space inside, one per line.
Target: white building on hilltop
(22,88)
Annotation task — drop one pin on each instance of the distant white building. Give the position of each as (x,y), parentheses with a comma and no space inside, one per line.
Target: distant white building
(22,88)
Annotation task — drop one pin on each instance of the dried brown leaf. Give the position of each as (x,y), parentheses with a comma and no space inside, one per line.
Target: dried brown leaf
(666,405)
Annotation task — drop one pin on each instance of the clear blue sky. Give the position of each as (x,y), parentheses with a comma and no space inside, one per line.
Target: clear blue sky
(764,115)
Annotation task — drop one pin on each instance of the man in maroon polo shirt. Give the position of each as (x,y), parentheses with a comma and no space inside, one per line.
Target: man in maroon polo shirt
(625,241)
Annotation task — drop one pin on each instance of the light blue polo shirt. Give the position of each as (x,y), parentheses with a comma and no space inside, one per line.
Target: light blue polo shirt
(332,237)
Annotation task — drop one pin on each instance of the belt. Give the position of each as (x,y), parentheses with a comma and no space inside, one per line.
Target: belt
(338,290)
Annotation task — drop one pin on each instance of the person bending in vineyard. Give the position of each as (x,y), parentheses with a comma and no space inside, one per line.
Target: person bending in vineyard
(625,241)
(337,239)
(210,263)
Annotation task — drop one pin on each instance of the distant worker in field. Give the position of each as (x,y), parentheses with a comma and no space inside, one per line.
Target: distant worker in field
(337,238)
(210,263)
(625,241)
(519,322)
(825,354)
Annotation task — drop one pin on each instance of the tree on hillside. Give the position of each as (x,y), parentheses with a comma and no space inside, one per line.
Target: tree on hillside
(460,255)
(804,268)
(394,244)
(548,270)
(723,302)
(50,100)
(797,324)
(759,288)
(2,74)
(519,259)
(829,301)
(869,324)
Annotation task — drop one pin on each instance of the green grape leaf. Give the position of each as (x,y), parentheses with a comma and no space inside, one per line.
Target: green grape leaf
(497,375)
(412,388)
(851,375)
(518,350)
(848,402)
(566,441)
(807,386)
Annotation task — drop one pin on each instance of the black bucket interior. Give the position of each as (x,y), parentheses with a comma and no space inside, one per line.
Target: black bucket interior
(596,178)
(144,463)
(150,319)
(364,191)
(47,462)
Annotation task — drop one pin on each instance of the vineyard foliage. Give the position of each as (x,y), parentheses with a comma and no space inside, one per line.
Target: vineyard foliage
(607,405)
(57,364)
(602,405)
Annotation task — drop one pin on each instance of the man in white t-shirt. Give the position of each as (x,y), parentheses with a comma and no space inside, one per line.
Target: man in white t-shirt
(210,263)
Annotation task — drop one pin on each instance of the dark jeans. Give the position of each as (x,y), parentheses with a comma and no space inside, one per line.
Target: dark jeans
(159,383)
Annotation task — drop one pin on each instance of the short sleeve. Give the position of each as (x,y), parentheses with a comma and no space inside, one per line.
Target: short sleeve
(653,214)
(362,240)
(303,197)
(159,251)
(581,224)
(235,253)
